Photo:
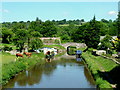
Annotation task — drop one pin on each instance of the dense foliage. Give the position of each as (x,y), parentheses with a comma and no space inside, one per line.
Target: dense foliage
(106,43)
(118,23)
(21,33)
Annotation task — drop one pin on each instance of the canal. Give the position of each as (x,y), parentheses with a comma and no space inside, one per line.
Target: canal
(60,73)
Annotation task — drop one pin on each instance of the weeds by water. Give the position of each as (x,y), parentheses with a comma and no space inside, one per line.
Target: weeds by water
(9,70)
(98,64)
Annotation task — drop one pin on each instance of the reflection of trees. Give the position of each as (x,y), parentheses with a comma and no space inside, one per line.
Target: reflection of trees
(22,79)
(88,76)
(9,85)
(49,68)
(32,76)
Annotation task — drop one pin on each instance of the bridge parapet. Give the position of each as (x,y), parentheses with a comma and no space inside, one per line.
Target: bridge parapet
(78,45)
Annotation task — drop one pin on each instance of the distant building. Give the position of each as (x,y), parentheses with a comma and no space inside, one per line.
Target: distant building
(101,37)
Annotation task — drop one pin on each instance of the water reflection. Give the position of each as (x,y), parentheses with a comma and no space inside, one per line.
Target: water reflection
(88,76)
(79,59)
(56,71)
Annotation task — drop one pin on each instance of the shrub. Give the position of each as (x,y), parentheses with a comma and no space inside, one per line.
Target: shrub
(7,48)
(57,41)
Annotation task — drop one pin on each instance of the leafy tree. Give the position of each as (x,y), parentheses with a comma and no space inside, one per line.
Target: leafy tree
(118,23)
(78,35)
(20,38)
(104,20)
(92,34)
(71,29)
(35,34)
(112,28)
(32,34)
(36,43)
(106,43)
(6,35)
(48,29)
(65,37)
(116,44)
(104,29)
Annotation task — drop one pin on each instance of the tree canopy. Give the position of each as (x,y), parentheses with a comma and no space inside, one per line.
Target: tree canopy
(68,30)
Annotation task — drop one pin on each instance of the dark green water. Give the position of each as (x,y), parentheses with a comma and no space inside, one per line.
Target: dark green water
(62,73)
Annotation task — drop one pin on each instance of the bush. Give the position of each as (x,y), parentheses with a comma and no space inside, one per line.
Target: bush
(102,83)
(7,48)
(90,49)
(57,41)
(105,43)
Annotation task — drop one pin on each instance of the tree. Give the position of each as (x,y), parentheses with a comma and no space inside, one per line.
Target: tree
(78,35)
(48,29)
(36,43)
(65,37)
(92,34)
(118,23)
(116,44)
(104,20)
(106,43)
(6,35)
(32,34)
(104,29)
(20,38)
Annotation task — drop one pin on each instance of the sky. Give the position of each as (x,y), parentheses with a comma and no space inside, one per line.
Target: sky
(24,11)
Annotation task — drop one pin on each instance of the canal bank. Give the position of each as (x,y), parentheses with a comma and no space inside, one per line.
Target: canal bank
(99,67)
(12,69)
(60,73)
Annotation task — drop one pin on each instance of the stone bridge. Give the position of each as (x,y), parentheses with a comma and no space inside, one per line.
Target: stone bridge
(78,45)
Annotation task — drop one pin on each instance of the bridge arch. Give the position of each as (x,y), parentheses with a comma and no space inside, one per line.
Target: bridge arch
(77,45)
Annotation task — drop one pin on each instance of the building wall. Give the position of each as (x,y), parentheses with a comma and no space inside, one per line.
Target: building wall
(50,38)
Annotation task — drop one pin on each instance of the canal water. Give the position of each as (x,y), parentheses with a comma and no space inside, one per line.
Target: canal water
(62,73)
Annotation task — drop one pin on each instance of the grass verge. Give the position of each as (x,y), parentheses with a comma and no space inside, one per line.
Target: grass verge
(98,64)
(7,57)
(9,70)
(10,67)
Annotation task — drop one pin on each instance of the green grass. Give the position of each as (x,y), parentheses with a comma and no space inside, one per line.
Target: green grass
(100,62)
(97,63)
(2,44)
(82,49)
(7,58)
(9,45)
(60,54)
(10,69)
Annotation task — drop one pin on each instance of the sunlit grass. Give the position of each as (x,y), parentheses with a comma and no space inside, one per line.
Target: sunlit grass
(9,68)
(7,58)
(97,63)
(82,49)
(9,45)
